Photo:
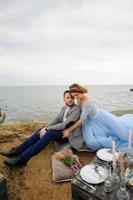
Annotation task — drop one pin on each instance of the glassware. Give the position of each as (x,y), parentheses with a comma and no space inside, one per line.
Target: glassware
(122,193)
(128,156)
(108,183)
(115,177)
(128,165)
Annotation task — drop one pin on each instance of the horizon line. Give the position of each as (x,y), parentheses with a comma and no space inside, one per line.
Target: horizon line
(66,84)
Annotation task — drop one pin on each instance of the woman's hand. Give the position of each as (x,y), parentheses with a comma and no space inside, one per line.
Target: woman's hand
(66,133)
(42,132)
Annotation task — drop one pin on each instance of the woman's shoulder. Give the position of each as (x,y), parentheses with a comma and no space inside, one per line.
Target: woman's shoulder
(89,103)
(89,110)
(90,106)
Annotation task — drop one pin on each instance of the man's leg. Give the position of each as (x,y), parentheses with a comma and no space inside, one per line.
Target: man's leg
(22,147)
(51,135)
(29,142)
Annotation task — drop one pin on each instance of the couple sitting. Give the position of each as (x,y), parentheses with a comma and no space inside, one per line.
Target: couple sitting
(68,115)
(99,128)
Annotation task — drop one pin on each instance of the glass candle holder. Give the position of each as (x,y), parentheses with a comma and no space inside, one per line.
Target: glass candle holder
(122,193)
(108,183)
(115,177)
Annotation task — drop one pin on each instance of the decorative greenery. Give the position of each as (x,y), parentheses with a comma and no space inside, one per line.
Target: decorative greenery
(68,161)
(66,156)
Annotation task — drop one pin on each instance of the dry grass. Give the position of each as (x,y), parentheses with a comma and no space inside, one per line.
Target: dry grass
(33,182)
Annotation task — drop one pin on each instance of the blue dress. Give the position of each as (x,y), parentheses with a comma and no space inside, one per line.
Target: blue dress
(101,127)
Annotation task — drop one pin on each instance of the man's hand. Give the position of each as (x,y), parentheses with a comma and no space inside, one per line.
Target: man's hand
(66,133)
(42,132)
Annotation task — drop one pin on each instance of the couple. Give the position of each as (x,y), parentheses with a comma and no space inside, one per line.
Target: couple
(68,115)
(99,128)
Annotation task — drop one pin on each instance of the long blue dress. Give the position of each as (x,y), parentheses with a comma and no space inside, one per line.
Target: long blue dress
(101,127)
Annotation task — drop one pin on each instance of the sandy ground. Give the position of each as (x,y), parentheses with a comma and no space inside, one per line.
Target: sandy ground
(34,181)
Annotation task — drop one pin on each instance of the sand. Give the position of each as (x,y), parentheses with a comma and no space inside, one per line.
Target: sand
(34,181)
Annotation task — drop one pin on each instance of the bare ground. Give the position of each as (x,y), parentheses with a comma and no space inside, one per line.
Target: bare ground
(34,181)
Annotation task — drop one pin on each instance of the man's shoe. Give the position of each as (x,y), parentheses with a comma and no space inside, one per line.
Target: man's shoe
(17,161)
(11,153)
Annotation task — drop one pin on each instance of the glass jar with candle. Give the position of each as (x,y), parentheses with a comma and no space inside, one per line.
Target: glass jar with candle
(122,193)
(115,177)
(128,165)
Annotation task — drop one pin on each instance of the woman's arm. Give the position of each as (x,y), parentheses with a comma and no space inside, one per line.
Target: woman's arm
(71,128)
(75,125)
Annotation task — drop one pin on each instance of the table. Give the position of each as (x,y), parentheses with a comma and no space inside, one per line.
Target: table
(80,191)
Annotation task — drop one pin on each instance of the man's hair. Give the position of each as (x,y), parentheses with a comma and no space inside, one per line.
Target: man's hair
(67,91)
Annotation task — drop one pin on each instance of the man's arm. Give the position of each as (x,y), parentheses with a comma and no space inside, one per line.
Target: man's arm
(74,116)
(67,131)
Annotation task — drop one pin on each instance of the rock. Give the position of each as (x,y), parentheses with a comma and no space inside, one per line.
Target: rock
(2,117)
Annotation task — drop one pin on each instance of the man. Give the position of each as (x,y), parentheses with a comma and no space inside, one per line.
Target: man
(69,114)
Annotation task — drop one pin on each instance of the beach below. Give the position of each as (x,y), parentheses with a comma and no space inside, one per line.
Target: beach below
(34,181)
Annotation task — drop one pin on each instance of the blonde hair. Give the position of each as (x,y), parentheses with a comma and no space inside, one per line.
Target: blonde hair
(77,88)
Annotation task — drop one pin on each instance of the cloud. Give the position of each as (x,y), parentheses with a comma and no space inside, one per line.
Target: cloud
(48,42)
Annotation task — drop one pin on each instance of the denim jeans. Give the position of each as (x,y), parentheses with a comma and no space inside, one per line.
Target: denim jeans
(34,144)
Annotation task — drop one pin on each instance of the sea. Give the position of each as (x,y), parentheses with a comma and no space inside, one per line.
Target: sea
(22,103)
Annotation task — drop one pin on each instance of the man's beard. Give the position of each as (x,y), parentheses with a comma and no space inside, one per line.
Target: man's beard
(69,105)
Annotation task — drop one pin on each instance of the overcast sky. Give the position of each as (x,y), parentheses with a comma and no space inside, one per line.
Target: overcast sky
(54,42)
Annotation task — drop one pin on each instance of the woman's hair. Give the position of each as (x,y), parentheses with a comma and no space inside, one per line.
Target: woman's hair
(77,88)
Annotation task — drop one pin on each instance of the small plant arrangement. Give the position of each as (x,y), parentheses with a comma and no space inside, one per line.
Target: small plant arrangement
(66,156)
(69,159)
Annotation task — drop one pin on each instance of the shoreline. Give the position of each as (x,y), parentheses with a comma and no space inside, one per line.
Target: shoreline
(122,112)
(46,120)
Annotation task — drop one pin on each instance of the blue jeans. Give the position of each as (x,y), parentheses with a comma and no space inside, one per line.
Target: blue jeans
(35,144)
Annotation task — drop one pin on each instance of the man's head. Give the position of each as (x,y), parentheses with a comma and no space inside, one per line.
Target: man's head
(68,100)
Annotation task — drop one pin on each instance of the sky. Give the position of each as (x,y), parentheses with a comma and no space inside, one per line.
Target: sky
(60,42)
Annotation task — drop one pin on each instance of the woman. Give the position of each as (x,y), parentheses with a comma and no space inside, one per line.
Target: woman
(99,127)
